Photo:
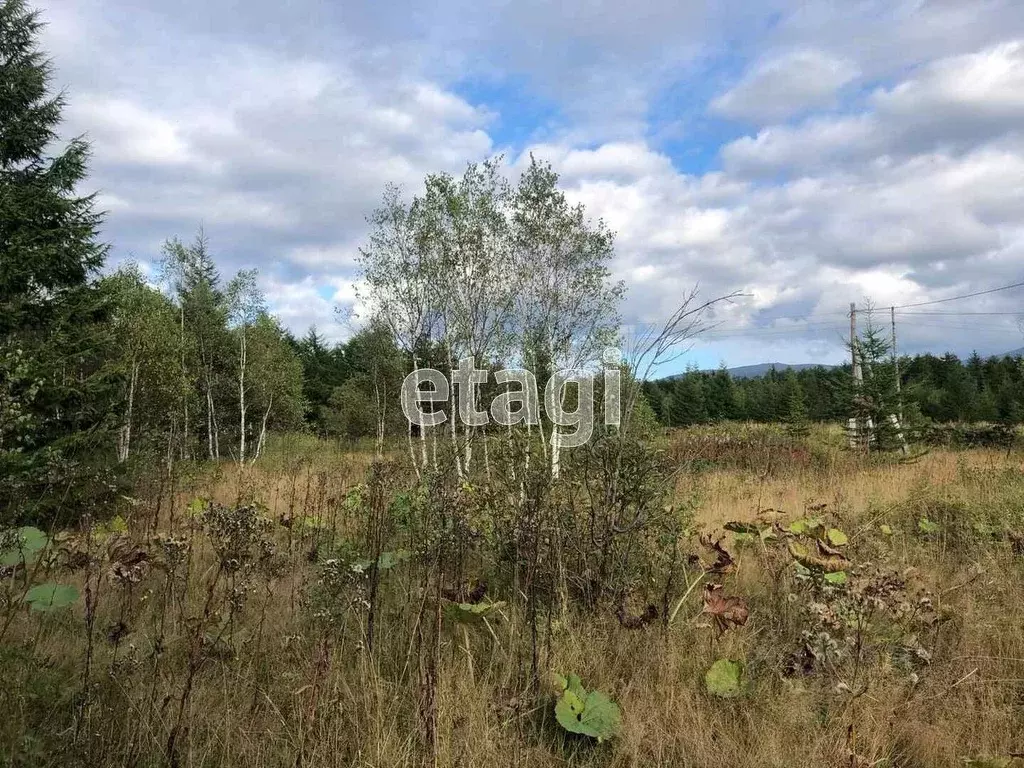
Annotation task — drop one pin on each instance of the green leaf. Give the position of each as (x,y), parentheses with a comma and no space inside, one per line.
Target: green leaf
(886,529)
(29,542)
(119,525)
(924,525)
(805,526)
(469,613)
(984,761)
(725,679)
(836,538)
(386,561)
(837,578)
(590,714)
(50,596)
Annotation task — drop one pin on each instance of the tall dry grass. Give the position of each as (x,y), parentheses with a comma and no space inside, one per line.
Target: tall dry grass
(249,672)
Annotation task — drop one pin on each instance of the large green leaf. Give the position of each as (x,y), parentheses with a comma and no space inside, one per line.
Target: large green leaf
(28,543)
(591,714)
(805,526)
(386,561)
(725,679)
(470,613)
(50,596)
(836,538)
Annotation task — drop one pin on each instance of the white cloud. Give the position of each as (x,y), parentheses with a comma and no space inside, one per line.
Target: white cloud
(785,85)
(278,131)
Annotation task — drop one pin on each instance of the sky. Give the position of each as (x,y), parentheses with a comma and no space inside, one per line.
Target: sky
(804,154)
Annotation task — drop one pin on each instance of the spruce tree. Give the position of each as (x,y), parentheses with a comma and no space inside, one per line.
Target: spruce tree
(874,399)
(53,398)
(687,405)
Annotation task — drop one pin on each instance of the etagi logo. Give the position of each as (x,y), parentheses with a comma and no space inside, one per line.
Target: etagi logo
(516,405)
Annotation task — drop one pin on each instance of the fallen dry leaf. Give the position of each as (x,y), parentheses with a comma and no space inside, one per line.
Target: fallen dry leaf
(726,611)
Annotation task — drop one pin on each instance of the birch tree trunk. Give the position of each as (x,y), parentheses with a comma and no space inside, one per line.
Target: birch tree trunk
(241,396)
(263,431)
(124,437)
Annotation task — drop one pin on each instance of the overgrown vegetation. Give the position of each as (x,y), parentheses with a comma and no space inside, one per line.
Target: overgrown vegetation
(187,579)
(335,610)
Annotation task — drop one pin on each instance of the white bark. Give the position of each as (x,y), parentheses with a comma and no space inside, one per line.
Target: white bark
(263,431)
(124,436)
(241,396)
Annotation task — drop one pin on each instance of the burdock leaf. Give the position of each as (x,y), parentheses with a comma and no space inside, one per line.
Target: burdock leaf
(590,714)
(723,561)
(836,538)
(837,578)
(805,526)
(475,613)
(50,596)
(385,562)
(726,611)
(725,679)
(827,562)
(924,525)
(28,543)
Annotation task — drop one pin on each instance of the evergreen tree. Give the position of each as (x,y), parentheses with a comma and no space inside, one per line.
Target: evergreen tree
(720,395)
(687,404)
(795,405)
(874,398)
(54,400)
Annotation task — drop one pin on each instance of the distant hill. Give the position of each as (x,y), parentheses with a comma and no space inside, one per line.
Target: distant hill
(760,369)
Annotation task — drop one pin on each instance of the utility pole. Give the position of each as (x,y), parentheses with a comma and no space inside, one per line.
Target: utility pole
(896,364)
(857,376)
(854,424)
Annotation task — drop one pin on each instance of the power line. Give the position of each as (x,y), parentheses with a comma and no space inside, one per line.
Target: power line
(957,298)
(959,314)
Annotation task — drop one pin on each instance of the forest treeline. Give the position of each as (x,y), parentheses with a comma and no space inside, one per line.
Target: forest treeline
(936,388)
(101,371)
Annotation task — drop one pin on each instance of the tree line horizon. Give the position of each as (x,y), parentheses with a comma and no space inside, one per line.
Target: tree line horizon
(104,376)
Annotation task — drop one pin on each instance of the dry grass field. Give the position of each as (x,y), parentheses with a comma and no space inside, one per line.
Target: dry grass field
(299,613)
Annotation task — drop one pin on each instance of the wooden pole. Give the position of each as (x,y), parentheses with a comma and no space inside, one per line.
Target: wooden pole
(854,422)
(896,365)
(897,420)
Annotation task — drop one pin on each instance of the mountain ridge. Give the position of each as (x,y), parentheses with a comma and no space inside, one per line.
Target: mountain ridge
(760,369)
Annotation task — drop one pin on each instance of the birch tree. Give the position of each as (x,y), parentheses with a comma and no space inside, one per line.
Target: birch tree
(145,348)
(245,304)
(567,303)
(275,373)
(464,233)
(397,276)
(193,279)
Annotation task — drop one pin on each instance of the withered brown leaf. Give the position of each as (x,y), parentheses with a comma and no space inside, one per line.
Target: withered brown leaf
(723,561)
(725,611)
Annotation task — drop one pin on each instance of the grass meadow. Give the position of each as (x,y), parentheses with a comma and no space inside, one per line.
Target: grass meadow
(305,611)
